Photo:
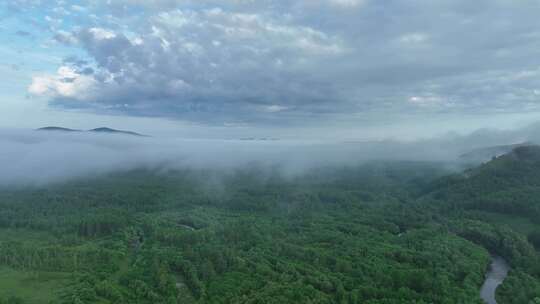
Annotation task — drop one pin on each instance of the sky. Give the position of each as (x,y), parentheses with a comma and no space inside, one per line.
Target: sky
(347,69)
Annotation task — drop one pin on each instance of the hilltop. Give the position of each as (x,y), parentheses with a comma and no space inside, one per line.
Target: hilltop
(485,154)
(60,129)
(114,131)
(96,130)
(509,183)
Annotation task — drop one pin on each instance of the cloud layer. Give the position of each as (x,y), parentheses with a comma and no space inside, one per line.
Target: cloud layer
(39,157)
(289,62)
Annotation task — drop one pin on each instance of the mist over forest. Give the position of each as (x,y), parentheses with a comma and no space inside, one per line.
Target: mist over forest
(30,156)
(269,152)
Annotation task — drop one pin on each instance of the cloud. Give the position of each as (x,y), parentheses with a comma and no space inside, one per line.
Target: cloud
(274,108)
(427,100)
(259,62)
(210,62)
(347,3)
(67,83)
(78,8)
(413,38)
(33,157)
(23,33)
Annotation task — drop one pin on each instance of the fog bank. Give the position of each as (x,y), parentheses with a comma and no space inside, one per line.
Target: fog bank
(28,156)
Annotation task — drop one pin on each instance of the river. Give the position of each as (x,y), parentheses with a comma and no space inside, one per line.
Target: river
(495,276)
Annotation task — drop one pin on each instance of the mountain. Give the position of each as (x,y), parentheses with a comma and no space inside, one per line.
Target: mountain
(59,129)
(113,131)
(482,155)
(96,130)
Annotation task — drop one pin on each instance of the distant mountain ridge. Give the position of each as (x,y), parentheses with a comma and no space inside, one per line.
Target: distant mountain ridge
(109,130)
(58,129)
(486,154)
(96,130)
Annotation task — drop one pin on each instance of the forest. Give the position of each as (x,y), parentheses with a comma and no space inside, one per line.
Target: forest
(377,233)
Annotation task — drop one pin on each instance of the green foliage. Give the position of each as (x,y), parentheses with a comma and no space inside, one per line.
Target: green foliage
(519,287)
(348,235)
(498,207)
(534,239)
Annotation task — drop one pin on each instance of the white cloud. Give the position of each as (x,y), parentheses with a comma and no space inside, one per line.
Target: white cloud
(216,61)
(101,33)
(205,61)
(414,38)
(78,8)
(65,37)
(347,3)
(274,108)
(426,100)
(67,83)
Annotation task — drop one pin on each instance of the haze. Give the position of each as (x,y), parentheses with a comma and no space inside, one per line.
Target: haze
(335,81)
(269,151)
(39,157)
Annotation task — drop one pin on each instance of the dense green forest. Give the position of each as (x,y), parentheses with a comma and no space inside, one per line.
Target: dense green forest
(385,232)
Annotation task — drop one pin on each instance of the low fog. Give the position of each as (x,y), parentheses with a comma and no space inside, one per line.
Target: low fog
(38,157)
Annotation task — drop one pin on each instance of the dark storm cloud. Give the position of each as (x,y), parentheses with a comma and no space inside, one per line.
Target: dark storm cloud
(277,61)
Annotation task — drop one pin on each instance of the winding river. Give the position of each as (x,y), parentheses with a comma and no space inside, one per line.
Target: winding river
(496,275)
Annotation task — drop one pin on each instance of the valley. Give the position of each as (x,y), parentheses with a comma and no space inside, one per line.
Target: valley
(385,232)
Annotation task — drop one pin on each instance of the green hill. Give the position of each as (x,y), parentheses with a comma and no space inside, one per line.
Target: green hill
(508,184)
(497,205)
